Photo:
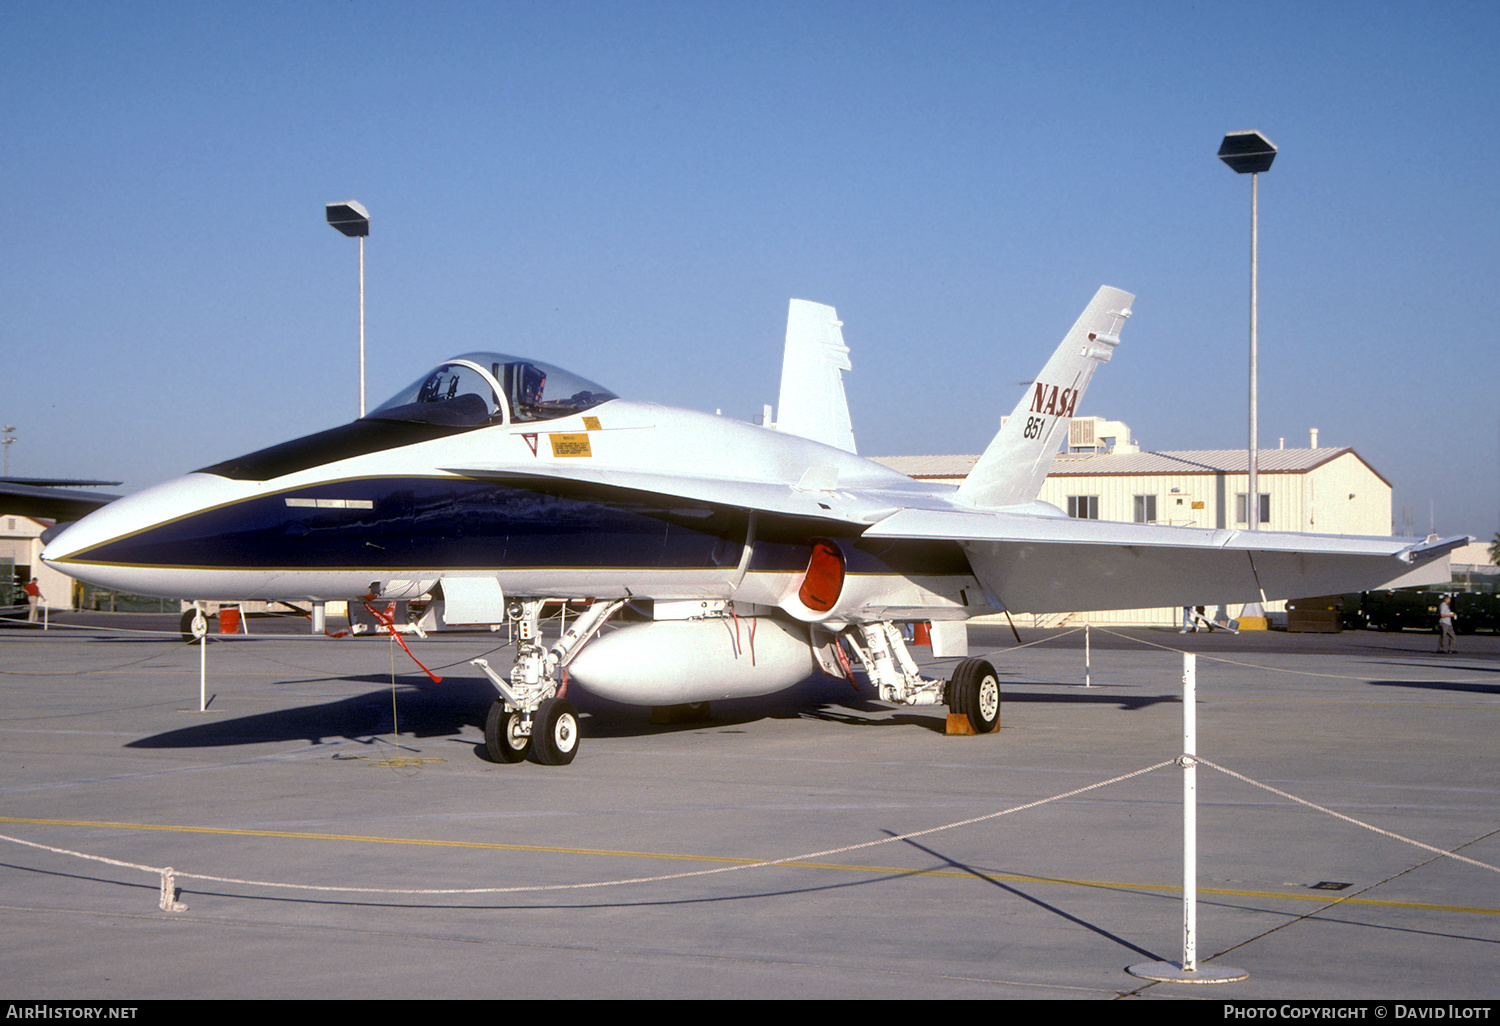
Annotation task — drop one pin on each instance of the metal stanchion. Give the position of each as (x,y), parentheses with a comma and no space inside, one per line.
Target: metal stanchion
(1188,970)
(200,632)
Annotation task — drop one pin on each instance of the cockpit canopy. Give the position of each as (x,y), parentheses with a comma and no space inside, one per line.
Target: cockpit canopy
(492,388)
(468,392)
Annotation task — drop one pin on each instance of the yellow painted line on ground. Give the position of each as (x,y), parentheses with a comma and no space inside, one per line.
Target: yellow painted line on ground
(1324,898)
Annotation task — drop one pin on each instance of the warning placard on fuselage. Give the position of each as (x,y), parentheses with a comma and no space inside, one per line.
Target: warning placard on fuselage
(570,445)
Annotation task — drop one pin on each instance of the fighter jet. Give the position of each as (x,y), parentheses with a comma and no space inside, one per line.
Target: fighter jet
(498,483)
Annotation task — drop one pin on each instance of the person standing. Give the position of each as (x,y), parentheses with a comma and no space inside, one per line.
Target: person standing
(33,599)
(1445,624)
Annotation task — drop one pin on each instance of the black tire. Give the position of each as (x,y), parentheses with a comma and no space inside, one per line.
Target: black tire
(957,697)
(974,691)
(503,741)
(554,732)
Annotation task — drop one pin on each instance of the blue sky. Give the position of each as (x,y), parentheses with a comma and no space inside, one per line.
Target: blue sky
(635,190)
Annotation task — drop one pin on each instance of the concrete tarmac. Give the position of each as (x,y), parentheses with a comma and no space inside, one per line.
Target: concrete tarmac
(634,872)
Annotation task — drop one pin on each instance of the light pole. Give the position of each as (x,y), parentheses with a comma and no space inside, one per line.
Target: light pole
(351,218)
(1250,153)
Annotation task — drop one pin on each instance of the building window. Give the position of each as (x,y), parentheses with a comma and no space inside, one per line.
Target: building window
(1239,508)
(1084,507)
(1145,509)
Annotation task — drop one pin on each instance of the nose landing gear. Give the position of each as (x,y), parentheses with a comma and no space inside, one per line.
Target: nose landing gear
(530,714)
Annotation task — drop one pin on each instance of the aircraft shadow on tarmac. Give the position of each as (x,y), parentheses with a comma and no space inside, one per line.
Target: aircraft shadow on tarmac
(1461,686)
(428,710)
(423,710)
(1441,663)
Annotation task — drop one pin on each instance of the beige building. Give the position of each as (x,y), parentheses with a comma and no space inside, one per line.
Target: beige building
(20,552)
(1317,490)
(1474,569)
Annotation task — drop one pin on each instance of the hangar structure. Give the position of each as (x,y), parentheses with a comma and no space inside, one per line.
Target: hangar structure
(20,561)
(28,507)
(1104,476)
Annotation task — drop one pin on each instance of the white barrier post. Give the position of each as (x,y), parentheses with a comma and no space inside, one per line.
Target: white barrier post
(1188,970)
(1086,659)
(1189,813)
(200,632)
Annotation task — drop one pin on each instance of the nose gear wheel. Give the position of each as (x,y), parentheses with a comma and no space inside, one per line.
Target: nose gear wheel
(505,736)
(554,732)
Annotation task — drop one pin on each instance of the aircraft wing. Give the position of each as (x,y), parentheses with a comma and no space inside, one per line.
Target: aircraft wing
(38,497)
(1037,563)
(1041,564)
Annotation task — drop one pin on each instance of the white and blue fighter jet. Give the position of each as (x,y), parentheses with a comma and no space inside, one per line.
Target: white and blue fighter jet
(497,483)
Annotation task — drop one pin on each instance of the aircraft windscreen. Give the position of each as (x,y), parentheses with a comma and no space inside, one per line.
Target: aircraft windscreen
(466,391)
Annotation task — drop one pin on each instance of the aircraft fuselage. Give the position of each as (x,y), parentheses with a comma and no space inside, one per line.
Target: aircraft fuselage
(396,521)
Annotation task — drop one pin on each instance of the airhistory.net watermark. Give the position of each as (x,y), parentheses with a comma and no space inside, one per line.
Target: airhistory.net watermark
(45,1010)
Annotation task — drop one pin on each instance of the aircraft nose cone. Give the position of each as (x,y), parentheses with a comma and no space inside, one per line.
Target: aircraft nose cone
(53,531)
(120,546)
(53,544)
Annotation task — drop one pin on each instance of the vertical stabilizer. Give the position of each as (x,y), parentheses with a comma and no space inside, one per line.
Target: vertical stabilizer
(1012,469)
(812,402)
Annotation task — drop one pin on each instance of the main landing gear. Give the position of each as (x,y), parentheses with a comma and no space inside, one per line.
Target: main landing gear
(530,714)
(973,691)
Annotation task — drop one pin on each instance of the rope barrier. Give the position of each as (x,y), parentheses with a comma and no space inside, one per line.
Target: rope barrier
(168,901)
(80,673)
(166,872)
(168,875)
(1212,658)
(1339,815)
(1254,666)
(1043,641)
(176,637)
(57,626)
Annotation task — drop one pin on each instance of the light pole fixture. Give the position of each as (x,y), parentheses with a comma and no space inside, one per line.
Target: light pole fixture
(351,218)
(1250,153)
